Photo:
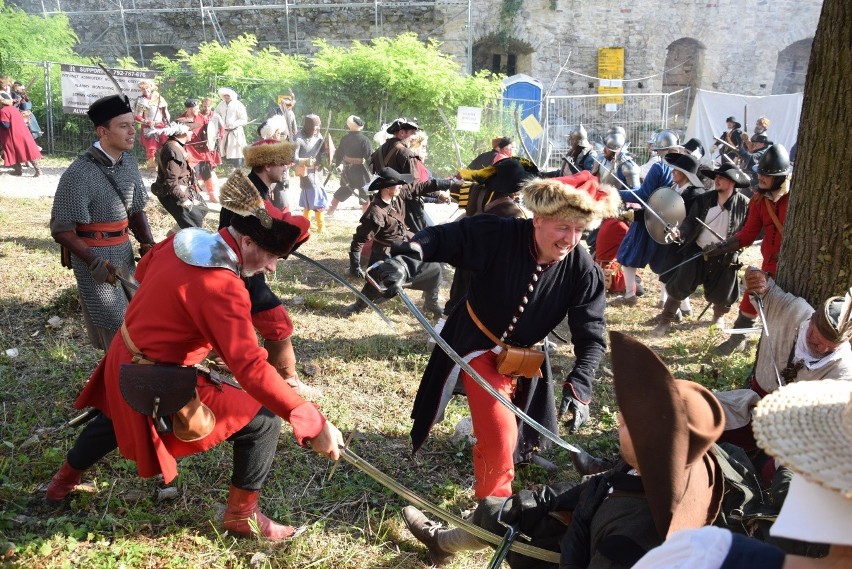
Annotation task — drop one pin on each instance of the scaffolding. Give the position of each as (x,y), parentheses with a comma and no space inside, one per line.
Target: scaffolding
(127,13)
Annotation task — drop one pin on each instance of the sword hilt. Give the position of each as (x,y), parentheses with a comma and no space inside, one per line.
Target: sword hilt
(370,279)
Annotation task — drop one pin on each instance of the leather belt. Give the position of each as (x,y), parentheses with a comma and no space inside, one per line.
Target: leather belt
(353,161)
(103,234)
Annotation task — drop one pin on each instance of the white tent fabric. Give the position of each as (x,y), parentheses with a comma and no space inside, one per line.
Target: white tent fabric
(711,109)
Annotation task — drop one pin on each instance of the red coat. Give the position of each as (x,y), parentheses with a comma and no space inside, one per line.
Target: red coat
(758,218)
(197,147)
(178,315)
(17,141)
(610,236)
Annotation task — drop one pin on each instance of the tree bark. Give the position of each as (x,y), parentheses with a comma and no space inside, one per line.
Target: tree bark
(816,253)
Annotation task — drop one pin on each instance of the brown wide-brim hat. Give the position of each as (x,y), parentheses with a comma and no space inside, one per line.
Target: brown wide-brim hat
(673,425)
(731,172)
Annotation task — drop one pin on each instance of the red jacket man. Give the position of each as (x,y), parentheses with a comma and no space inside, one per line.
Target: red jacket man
(191,300)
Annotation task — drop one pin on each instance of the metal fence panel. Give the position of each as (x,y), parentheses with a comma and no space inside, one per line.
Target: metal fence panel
(639,114)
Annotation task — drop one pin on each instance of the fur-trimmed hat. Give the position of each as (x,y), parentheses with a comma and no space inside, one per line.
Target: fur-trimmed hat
(222,91)
(354,123)
(269,152)
(275,231)
(578,198)
(109,107)
(275,123)
(673,425)
(506,177)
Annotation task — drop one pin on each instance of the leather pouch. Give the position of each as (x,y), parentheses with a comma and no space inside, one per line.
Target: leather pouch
(167,394)
(524,362)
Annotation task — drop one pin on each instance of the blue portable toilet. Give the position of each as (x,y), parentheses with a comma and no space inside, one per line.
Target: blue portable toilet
(524,92)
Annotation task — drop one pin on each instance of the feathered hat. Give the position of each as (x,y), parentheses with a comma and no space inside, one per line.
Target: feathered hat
(578,198)
(505,177)
(354,123)
(269,152)
(275,231)
(175,129)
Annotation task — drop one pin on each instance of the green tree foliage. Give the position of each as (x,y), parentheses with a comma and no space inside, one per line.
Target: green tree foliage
(401,76)
(30,38)
(379,81)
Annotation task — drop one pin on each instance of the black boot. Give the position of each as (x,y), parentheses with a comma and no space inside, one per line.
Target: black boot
(737,341)
(357,306)
(431,303)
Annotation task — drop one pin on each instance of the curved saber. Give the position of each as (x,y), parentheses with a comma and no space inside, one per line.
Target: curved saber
(345,283)
(669,227)
(402,491)
(542,430)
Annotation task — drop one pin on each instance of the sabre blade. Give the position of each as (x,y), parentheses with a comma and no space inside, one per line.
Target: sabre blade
(450,518)
(541,429)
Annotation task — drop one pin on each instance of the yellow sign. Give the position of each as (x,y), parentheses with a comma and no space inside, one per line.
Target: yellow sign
(611,72)
(532,127)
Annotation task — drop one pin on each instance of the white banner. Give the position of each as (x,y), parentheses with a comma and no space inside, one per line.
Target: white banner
(469,119)
(82,85)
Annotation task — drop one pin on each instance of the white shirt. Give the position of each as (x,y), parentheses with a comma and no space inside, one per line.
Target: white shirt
(718,218)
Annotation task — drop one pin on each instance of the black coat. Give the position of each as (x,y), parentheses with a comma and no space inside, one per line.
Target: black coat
(500,253)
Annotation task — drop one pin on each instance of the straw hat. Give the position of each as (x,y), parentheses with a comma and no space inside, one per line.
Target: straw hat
(807,426)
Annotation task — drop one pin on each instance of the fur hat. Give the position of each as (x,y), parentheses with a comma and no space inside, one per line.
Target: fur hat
(275,123)
(269,152)
(222,91)
(506,177)
(579,198)
(107,108)
(354,123)
(673,425)
(275,231)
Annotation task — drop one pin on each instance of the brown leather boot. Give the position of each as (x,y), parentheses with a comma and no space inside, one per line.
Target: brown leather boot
(62,483)
(17,169)
(36,167)
(242,517)
(441,542)
(667,316)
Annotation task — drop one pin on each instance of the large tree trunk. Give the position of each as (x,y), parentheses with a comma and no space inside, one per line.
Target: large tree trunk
(816,253)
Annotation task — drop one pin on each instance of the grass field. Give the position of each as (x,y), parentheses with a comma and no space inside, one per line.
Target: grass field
(368,377)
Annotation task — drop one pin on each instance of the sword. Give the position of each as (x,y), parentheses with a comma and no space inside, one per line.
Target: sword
(710,229)
(759,302)
(345,283)
(741,331)
(667,271)
(725,143)
(541,429)
(397,488)
(669,227)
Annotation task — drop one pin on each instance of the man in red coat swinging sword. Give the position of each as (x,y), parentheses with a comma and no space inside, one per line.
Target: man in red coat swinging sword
(192,300)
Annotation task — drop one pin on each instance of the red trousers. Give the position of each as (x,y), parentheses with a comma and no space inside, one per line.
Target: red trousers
(495,429)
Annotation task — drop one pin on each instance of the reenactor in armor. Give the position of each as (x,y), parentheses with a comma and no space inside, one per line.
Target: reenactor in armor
(617,164)
(581,155)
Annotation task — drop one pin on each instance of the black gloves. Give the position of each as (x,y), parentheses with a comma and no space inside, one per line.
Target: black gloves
(393,274)
(722,247)
(355,265)
(579,411)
